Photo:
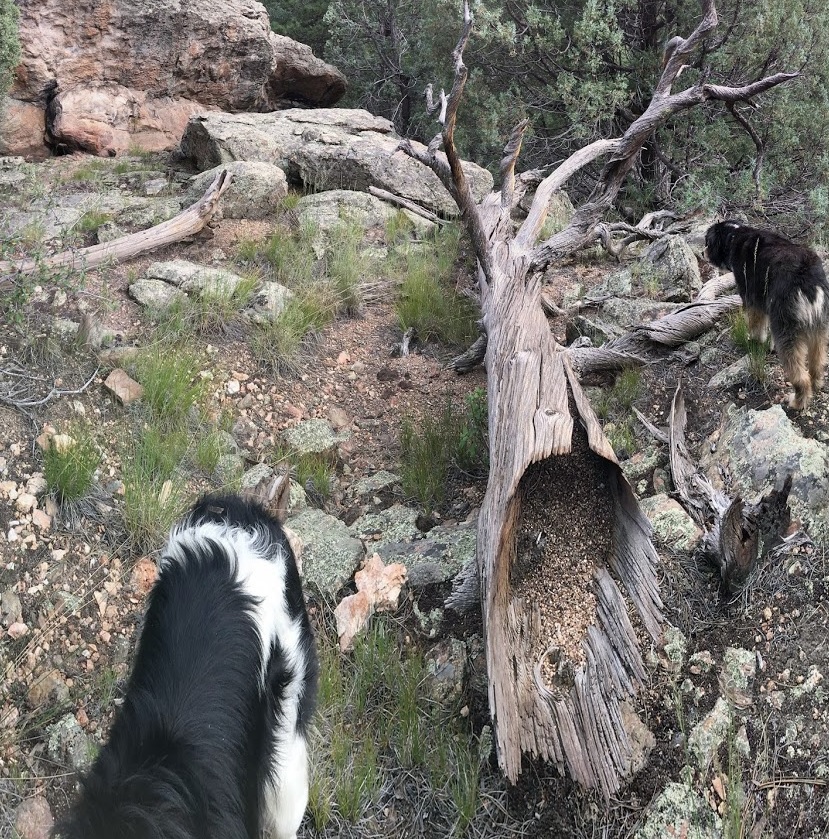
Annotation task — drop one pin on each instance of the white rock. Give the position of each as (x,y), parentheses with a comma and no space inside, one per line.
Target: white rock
(25,502)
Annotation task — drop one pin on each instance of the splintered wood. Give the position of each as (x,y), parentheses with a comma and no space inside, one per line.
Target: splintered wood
(565,533)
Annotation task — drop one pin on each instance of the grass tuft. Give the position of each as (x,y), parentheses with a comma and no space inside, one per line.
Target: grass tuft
(69,464)
(169,375)
(428,303)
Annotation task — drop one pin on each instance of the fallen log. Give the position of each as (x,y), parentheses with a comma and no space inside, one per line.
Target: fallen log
(186,223)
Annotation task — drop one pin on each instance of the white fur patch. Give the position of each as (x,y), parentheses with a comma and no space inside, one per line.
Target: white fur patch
(260,572)
(811,315)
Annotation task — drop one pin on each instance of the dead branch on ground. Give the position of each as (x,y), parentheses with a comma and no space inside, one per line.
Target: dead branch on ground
(556,684)
(187,223)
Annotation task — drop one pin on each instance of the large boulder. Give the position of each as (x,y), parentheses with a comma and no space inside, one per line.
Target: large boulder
(323,149)
(114,74)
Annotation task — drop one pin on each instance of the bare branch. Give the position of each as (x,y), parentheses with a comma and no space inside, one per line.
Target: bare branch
(511,152)
(532,225)
(741,94)
(679,50)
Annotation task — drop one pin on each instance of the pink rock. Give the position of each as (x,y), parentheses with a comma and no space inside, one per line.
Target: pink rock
(17,630)
(33,819)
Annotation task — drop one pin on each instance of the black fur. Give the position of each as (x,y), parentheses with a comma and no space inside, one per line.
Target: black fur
(188,753)
(783,287)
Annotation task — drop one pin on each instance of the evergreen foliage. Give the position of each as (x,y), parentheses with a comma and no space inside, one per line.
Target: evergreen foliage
(584,69)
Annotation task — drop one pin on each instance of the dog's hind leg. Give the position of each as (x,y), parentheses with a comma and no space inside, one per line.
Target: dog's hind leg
(817,357)
(758,324)
(793,358)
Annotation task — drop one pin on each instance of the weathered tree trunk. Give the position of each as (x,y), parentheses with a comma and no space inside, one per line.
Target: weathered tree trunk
(186,223)
(561,540)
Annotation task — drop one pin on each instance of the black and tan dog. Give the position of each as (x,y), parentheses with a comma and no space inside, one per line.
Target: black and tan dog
(783,287)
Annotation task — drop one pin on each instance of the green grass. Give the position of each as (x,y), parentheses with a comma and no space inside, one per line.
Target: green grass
(398,229)
(757,351)
(427,301)
(169,375)
(316,470)
(346,267)
(69,466)
(91,221)
(154,484)
(614,405)
(374,720)
(278,345)
(432,446)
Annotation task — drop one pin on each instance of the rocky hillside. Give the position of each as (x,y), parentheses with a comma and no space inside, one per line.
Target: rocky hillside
(273,343)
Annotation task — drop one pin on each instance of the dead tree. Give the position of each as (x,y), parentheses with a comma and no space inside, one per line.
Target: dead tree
(560,535)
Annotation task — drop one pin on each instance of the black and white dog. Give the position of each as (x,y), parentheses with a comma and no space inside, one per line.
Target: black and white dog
(783,287)
(211,740)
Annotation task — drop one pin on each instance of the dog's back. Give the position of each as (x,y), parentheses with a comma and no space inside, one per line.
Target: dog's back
(768,268)
(210,741)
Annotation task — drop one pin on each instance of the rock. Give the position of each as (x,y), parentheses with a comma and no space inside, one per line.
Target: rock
(41,520)
(628,313)
(382,484)
(170,60)
(143,577)
(270,302)
(598,331)
(737,373)
(640,737)
(33,819)
(255,191)
(338,418)
(329,554)
(25,502)
(17,630)
(737,676)
(11,610)
(671,524)
(679,811)
(640,466)
(329,210)
(37,484)
(705,738)
(257,474)
(331,148)
(314,436)
(69,746)
(672,263)
(48,689)
(445,671)
(757,450)
(395,524)
(228,469)
(438,557)
(191,277)
(123,387)
(22,129)
(378,590)
(156,295)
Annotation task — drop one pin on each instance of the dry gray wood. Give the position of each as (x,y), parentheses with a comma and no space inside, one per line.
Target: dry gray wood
(400,201)
(535,401)
(735,533)
(186,223)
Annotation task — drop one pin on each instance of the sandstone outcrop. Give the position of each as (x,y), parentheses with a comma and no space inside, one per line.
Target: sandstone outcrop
(103,76)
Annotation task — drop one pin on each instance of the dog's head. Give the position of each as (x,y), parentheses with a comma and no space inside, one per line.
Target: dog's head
(717,240)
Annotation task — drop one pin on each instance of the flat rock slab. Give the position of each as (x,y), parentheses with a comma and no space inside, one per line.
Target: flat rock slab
(324,149)
(124,388)
(330,554)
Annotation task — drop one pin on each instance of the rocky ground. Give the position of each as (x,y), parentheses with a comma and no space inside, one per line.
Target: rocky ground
(733,735)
